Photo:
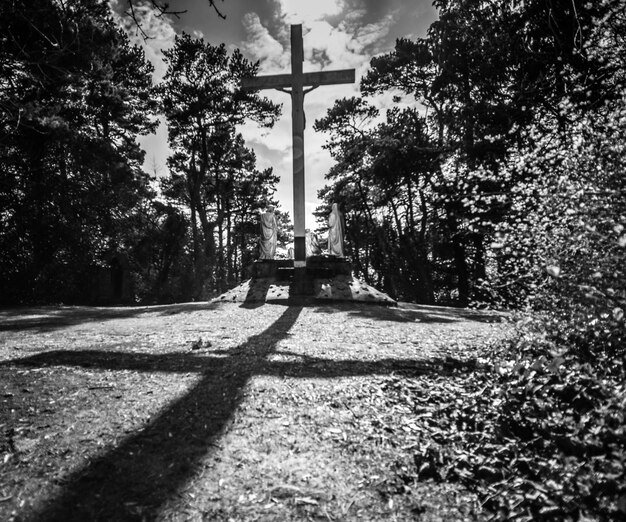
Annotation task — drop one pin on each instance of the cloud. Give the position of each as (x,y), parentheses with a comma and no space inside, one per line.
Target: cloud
(321,38)
(304,12)
(372,34)
(159,29)
(260,45)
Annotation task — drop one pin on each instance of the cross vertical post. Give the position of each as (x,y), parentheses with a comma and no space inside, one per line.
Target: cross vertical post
(297,119)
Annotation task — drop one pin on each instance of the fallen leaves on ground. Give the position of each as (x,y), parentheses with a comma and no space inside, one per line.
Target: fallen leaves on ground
(538,434)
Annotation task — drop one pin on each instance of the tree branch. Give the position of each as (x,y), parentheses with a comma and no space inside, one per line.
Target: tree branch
(163,9)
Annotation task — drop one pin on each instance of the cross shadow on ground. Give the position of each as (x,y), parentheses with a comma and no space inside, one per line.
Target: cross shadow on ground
(150,466)
(48,318)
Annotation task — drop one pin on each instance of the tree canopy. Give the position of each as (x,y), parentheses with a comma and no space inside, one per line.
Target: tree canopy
(74,95)
(487,81)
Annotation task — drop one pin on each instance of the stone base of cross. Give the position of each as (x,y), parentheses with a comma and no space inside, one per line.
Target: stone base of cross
(295,82)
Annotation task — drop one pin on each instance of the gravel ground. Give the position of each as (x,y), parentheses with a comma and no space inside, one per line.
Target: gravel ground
(227,412)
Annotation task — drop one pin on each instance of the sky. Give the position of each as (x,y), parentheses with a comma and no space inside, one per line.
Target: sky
(337,34)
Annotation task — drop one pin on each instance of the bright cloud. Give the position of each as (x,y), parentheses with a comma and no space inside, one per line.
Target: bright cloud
(332,42)
(303,12)
(260,45)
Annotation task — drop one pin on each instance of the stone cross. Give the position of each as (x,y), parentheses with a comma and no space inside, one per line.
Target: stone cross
(296,81)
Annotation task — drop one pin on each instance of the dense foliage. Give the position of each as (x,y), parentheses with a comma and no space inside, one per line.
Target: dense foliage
(436,174)
(74,94)
(81,221)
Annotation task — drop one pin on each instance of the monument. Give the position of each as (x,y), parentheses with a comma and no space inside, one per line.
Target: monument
(296,82)
(314,276)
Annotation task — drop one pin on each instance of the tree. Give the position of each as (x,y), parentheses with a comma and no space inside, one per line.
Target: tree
(382,178)
(485,73)
(202,101)
(74,95)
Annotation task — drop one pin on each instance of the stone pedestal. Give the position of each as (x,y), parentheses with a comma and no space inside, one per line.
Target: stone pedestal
(264,268)
(301,278)
(328,266)
(324,278)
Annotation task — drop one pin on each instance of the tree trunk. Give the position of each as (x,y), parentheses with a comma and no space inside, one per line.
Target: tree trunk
(425,275)
(230,276)
(198,255)
(460,261)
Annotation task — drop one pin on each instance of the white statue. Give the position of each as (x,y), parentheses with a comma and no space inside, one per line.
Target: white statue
(312,244)
(269,233)
(335,232)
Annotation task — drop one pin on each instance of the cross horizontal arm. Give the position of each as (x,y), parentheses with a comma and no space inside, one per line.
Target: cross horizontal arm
(278,81)
(329,77)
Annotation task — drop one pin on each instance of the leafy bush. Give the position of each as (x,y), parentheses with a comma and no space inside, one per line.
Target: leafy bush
(540,433)
(558,399)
